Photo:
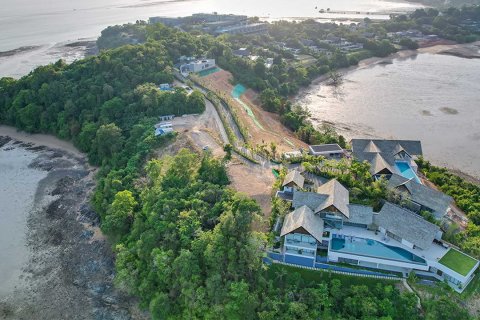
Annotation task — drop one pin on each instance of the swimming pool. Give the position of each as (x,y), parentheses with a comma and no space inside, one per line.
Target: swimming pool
(208,72)
(406,171)
(238,90)
(374,249)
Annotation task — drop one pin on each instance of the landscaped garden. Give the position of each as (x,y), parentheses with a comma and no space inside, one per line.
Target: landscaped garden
(458,262)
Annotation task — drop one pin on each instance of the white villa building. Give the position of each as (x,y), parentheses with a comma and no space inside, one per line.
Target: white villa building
(394,239)
(197,66)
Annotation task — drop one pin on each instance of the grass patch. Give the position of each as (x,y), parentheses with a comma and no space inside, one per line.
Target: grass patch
(323,276)
(304,60)
(472,288)
(458,262)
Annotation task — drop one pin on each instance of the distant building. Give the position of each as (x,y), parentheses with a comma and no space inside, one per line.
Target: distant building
(242,52)
(185,59)
(326,150)
(168,21)
(214,17)
(167,117)
(269,63)
(165,87)
(254,28)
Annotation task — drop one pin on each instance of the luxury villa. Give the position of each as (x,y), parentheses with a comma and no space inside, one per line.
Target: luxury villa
(395,161)
(387,157)
(324,227)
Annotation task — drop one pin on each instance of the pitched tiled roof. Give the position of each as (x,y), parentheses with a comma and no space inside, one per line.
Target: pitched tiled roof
(412,147)
(381,153)
(360,214)
(309,199)
(295,177)
(398,148)
(407,225)
(371,147)
(421,194)
(378,164)
(305,218)
(338,196)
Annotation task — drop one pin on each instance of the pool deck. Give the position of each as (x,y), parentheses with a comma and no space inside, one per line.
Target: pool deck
(434,253)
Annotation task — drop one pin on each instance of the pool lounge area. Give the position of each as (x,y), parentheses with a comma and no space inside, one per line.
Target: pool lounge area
(406,171)
(372,248)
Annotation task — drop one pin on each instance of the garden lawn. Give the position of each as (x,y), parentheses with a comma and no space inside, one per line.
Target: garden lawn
(458,262)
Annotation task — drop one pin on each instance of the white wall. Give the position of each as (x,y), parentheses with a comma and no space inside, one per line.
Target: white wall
(333,256)
(407,243)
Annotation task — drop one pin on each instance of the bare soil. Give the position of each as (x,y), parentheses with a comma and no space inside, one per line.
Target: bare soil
(254,181)
(221,83)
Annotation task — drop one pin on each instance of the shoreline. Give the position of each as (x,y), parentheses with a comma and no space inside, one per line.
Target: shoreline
(462,50)
(459,50)
(40,139)
(70,266)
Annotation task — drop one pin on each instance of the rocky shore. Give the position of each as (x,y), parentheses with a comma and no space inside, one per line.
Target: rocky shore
(70,269)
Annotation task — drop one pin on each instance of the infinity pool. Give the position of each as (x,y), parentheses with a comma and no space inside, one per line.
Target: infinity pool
(374,249)
(208,72)
(406,171)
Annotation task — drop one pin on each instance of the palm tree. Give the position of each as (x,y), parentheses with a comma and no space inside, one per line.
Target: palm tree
(273,148)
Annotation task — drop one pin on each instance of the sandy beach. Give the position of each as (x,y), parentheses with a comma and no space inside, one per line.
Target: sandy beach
(40,139)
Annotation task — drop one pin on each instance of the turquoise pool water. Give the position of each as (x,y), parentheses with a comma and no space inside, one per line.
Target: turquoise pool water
(374,249)
(238,90)
(406,171)
(208,72)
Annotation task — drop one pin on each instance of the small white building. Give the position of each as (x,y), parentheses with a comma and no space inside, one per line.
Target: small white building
(242,52)
(163,128)
(165,87)
(197,66)
(167,117)
(327,150)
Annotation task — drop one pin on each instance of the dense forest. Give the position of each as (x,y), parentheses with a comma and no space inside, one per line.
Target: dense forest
(182,237)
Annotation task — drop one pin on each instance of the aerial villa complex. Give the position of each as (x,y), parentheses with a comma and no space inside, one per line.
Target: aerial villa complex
(395,239)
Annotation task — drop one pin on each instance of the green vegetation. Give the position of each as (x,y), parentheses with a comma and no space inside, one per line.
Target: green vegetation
(183,239)
(354,175)
(467,198)
(308,294)
(190,248)
(458,262)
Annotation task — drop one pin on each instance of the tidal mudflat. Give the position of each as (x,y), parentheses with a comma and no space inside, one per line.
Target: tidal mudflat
(429,97)
(54,261)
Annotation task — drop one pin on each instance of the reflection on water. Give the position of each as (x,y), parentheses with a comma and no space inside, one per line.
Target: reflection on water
(433,98)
